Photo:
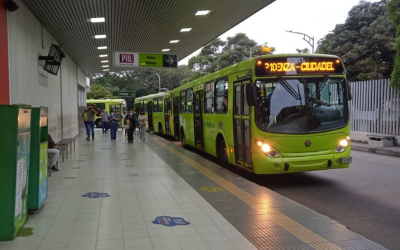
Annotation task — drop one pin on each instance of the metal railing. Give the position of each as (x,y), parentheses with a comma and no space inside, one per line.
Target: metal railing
(375,107)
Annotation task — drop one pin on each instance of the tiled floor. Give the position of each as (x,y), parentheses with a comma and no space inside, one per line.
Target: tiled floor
(141,187)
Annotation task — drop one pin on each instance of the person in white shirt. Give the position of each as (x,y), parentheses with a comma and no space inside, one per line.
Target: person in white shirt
(142,124)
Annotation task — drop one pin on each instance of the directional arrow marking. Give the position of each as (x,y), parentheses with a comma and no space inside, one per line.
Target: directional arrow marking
(170,61)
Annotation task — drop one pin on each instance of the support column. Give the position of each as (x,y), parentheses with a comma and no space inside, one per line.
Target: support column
(4,73)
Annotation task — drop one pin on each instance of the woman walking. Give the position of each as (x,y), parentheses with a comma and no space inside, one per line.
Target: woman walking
(142,124)
(132,124)
(113,121)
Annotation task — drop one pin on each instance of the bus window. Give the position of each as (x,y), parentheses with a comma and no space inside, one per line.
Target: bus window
(99,106)
(183,102)
(155,105)
(221,89)
(209,98)
(145,106)
(189,103)
(160,105)
(112,109)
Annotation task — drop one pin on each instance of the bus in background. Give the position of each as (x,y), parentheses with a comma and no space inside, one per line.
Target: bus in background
(118,106)
(158,110)
(269,115)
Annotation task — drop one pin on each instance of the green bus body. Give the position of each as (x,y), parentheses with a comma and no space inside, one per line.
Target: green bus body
(233,128)
(116,105)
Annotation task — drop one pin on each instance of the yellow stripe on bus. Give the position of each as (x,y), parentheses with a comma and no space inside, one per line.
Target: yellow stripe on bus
(301,232)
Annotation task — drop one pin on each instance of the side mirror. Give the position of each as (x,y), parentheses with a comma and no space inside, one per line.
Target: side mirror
(250,95)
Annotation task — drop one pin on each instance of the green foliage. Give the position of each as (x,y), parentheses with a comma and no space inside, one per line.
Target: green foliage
(364,42)
(220,54)
(393,8)
(303,51)
(97,91)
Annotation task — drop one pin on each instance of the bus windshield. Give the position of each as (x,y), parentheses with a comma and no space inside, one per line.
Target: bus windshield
(301,105)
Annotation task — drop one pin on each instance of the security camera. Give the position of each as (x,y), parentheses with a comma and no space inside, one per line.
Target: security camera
(10,5)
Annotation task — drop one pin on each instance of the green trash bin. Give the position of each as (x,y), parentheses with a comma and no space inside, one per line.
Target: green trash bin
(14,170)
(38,160)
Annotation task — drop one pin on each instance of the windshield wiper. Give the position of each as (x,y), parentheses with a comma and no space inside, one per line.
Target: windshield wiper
(321,86)
(290,89)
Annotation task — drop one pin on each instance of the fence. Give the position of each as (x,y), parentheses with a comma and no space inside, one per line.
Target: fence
(375,107)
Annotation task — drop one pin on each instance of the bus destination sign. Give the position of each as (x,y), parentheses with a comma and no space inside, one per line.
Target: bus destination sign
(298,66)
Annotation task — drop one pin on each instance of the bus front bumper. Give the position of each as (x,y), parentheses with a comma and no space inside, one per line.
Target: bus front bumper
(267,165)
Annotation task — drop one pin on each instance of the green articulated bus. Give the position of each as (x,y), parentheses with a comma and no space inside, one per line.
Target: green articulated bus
(118,106)
(269,115)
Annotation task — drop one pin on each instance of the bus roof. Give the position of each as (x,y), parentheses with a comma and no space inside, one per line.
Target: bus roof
(104,100)
(161,94)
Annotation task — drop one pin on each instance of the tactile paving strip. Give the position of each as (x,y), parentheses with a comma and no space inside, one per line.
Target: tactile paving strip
(264,221)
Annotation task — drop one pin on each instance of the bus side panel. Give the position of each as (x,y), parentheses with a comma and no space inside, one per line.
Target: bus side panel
(188,126)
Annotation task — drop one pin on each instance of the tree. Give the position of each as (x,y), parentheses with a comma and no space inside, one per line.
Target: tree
(304,51)
(365,42)
(97,91)
(219,54)
(393,8)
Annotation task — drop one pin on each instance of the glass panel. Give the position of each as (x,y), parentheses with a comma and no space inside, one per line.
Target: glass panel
(183,102)
(189,103)
(209,89)
(160,105)
(222,104)
(209,105)
(239,141)
(222,87)
(238,93)
(145,106)
(197,104)
(247,139)
(304,105)
(112,109)
(246,108)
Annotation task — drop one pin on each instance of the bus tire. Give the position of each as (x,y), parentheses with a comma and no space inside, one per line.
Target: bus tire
(98,123)
(183,139)
(222,154)
(160,128)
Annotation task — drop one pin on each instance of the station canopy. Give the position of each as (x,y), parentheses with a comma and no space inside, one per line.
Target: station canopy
(137,26)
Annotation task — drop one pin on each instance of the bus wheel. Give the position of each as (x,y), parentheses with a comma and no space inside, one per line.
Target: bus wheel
(160,129)
(98,123)
(183,139)
(222,154)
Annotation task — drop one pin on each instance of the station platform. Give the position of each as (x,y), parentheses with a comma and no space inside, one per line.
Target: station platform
(114,195)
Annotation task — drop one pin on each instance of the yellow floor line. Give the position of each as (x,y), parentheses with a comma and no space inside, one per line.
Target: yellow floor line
(301,232)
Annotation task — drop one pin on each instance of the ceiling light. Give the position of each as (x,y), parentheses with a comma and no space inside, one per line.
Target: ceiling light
(97,20)
(104,61)
(100,36)
(105,66)
(105,69)
(173,41)
(202,12)
(165,50)
(102,47)
(186,29)
(103,55)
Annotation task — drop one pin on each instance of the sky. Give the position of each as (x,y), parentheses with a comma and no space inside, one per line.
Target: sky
(315,18)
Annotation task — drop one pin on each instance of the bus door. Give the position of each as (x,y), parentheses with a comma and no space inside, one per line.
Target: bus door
(176,118)
(150,115)
(242,126)
(198,120)
(167,116)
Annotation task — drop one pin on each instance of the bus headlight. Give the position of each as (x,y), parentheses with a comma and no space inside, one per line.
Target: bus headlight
(267,149)
(342,145)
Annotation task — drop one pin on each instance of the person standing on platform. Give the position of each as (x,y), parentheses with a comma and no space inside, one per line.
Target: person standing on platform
(132,124)
(142,124)
(137,121)
(91,111)
(113,122)
(54,153)
(104,121)
(84,117)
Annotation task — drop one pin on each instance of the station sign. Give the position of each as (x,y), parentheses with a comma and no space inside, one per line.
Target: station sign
(144,60)
(124,93)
